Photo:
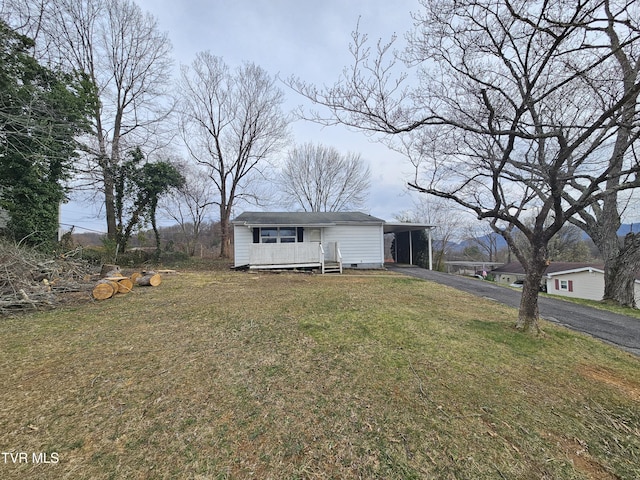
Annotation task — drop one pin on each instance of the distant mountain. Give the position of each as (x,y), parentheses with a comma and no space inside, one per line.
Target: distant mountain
(622,231)
(484,240)
(628,227)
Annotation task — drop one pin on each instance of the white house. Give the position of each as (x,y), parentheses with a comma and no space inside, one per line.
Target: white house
(585,282)
(329,241)
(582,282)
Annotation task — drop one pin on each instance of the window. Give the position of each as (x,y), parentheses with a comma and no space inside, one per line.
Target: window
(269,235)
(287,235)
(565,285)
(277,235)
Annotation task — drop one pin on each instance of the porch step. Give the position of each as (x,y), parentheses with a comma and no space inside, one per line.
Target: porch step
(331,267)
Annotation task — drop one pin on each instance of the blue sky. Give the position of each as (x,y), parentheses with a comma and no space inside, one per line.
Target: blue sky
(307,39)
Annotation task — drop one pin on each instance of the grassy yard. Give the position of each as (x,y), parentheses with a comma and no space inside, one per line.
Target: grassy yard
(289,376)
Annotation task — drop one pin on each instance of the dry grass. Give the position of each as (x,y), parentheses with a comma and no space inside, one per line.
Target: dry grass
(284,376)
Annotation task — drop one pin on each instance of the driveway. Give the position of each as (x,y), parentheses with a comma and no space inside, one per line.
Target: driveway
(619,330)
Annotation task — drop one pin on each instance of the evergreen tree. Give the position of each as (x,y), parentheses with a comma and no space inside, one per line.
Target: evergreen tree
(41,114)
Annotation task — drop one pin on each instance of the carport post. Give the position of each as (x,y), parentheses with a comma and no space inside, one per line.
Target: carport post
(430,253)
(410,249)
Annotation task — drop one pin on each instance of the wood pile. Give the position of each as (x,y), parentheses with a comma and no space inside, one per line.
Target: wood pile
(113,282)
(30,280)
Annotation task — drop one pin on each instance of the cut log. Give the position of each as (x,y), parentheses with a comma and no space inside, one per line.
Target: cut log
(167,272)
(151,279)
(125,284)
(104,289)
(109,270)
(134,276)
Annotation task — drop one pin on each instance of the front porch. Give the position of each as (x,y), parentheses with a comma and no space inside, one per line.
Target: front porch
(327,258)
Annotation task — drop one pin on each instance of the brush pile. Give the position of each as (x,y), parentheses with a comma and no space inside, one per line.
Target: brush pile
(30,280)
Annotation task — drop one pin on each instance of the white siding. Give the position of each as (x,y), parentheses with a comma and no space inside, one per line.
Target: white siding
(587,285)
(361,245)
(242,238)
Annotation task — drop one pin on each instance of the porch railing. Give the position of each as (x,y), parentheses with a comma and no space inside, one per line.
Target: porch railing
(286,254)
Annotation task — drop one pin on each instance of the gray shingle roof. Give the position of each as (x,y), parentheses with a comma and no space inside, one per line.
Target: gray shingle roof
(305,218)
(517,268)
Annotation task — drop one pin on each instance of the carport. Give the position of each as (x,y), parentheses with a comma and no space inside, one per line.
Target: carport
(400,229)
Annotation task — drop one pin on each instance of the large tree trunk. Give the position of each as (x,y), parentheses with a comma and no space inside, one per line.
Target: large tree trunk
(620,272)
(225,232)
(621,262)
(529,314)
(535,263)
(109,208)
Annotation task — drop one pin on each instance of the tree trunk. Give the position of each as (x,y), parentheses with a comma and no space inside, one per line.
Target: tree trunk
(109,270)
(149,279)
(110,210)
(104,289)
(156,233)
(225,232)
(620,272)
(534,266)
(529,314)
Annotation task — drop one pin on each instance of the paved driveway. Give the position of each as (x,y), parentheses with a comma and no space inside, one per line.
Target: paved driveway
(619,330)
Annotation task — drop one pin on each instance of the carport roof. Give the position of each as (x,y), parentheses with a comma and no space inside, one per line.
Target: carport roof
(398,227)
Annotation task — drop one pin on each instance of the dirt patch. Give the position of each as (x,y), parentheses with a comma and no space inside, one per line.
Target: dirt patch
(608,377)
(577,452)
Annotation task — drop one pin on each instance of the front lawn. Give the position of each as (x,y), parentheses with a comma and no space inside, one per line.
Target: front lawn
(285,376)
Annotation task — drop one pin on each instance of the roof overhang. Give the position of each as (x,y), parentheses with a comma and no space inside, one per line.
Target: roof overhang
(400,227)
(575,270)
(304,219)
(283,224)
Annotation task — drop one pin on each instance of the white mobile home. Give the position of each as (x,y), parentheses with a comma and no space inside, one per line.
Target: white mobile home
(582,282)
(324,240)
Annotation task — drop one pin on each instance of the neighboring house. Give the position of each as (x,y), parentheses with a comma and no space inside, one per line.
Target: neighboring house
(508,273)
(582,282)
(569,279)
(325,240)
(585,282)
(514,271)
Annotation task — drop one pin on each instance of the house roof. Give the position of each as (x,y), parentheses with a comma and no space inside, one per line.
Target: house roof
(576,269)
(553,268)
(557,268)
(317,219)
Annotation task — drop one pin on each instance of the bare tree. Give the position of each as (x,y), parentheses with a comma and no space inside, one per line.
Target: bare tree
(317,178)
(568,245)
(189,206)
(485,239)
(514,106)
(602,220)
(232,124)
(127,58)
(449,224)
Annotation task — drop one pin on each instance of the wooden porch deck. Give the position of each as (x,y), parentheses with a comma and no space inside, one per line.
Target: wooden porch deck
(264,256)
